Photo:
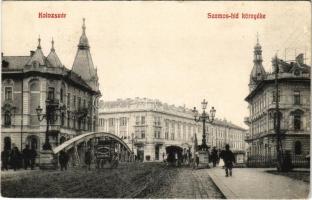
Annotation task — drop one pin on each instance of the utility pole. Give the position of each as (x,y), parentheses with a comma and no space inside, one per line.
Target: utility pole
(277,120)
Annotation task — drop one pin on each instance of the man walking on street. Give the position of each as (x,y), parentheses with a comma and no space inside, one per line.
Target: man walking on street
(63,159)
(88,158)
(33,155)
(214,156)
(229,159)
(5,156)
(15,158)
(26,156)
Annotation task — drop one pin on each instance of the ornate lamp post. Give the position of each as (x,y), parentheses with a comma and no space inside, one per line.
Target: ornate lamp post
(204,118)
(133,139)
(51,115)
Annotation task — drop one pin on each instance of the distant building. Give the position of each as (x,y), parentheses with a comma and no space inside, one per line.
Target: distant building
(294,102)
(38,80)
(149,126)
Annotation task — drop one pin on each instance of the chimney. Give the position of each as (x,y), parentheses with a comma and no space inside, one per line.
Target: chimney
(32,53)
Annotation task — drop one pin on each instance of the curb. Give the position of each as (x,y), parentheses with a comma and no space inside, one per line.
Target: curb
(227,193)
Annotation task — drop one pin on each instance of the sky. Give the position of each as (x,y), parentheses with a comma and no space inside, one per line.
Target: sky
(168,51)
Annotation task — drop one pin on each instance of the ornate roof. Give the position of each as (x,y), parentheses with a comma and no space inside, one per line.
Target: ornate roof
(83,64)
(52,58)
(257,73)
(37,56)
(15,62)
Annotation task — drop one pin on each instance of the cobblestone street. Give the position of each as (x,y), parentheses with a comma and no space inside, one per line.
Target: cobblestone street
(188,183)
(136,180)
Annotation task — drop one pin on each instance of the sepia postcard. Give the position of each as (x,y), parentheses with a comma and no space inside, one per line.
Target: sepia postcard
(156,99)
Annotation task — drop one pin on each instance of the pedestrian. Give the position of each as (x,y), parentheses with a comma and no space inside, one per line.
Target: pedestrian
(5,157)
(63,159)
(26,156)
(229,160)
(15,158)
(88,158)
(214,156)
(176,158)
(33,155)
(197,159)
(115,161)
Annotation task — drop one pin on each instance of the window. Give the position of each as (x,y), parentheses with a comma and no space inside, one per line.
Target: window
(274,96)
(50,93)
(166,135)
(74,102)
(8,93)
(84,104)
(7,118)
(137,120)
(123,121)
(297,122)
(68,120)
(62,95)
(63,119)
(79,102)
(296,97)
(298,147)
(142,120)
(68,100)
(142,134)
(111,122)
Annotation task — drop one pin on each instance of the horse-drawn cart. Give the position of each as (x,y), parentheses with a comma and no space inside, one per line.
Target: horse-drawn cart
(105,155)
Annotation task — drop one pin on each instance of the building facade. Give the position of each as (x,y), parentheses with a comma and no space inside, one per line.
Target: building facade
(294,105)
(149,126)
(33,81)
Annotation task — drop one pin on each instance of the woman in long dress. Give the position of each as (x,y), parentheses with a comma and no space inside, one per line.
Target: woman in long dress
(221,162)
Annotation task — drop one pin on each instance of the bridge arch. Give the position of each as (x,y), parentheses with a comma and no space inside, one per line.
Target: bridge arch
(85,137)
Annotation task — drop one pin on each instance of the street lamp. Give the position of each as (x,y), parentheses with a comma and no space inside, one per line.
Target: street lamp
(52,107)
(133,139)
(204,118)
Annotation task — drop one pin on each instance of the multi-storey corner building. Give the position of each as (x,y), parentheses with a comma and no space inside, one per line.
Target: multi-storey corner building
(38,80)
(294,103)
(149,126)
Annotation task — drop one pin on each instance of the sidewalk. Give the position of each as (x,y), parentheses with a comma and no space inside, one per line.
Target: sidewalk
(255,183)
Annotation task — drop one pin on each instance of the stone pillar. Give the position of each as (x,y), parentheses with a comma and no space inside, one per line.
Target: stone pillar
(48,160)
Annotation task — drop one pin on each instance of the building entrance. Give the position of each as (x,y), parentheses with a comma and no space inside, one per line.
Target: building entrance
(174,155)
(157,152)
(140,154)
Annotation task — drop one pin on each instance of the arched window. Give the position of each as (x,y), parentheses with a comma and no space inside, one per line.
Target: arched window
(7,143)
(298,148)
(297,122)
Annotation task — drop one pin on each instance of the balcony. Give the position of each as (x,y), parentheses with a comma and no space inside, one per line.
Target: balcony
(139,141)
(159,140)
(247,121)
